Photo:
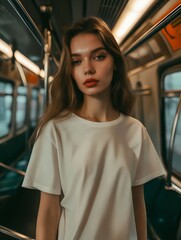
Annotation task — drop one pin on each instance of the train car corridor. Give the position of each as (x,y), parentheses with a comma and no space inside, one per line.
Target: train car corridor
(148,35)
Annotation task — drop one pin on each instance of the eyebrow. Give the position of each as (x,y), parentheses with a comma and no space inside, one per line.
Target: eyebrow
(92,52)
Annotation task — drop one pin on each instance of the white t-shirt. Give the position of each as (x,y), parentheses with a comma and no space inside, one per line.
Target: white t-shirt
(93,165)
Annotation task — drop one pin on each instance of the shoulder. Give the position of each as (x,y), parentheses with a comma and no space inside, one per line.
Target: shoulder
(131,123)
(54,125)
(52,130)
(134,130)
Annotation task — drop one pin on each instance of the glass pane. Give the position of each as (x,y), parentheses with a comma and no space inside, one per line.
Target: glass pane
(21,90)
(177,149)
(6,88)
(172,81)
(170,110)
(34,107)
(21,107)
(6,102)
(41,102)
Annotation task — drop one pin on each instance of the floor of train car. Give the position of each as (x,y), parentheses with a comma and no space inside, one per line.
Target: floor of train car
(18,212)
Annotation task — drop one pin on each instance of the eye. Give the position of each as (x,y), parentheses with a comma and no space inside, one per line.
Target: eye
(99,57)
(76,62)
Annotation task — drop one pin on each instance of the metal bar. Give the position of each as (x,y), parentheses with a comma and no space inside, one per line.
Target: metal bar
(47,49)
(22,173)
(21,73)
(171,93)
(24,80)
(142,90)
(153,30)
(171,145)
(13,233)
(141,93)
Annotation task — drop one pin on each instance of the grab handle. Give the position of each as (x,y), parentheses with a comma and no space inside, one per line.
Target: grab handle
(22,173)
(14,234)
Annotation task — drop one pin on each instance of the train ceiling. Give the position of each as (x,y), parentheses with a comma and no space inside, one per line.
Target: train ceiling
(63,13)
(22,22)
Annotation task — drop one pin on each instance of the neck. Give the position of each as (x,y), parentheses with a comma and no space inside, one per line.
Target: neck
(98,110)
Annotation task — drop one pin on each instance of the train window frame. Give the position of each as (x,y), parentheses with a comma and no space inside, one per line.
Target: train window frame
(168,69)
(9,131)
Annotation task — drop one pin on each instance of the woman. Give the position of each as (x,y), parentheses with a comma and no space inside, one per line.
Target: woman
(90,159)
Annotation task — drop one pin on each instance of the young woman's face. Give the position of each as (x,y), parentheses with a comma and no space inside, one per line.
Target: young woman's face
(92,64)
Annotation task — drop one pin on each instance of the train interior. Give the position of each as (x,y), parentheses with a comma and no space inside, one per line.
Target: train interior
(30,48)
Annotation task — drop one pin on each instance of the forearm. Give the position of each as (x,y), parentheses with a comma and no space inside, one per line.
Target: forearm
(140,212)
(48,218)
(47,227)
(141,226)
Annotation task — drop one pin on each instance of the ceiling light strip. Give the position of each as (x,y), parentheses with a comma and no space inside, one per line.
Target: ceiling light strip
(132,13)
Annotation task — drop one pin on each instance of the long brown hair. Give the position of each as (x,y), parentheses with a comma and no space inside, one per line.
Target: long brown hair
(65,95)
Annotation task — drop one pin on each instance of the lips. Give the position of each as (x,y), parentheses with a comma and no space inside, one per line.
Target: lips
(90,82)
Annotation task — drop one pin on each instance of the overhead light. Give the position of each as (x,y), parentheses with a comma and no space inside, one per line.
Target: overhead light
(42,73)
(6,49)
(131,14)
(26,62)
(20,58)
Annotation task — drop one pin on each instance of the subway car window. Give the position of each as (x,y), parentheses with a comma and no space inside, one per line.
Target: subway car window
(172,85)
(41,101)
(6,101)
(34,107)
(21,107)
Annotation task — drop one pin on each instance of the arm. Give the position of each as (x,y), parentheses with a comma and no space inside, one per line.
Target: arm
(48,217)
(139,212)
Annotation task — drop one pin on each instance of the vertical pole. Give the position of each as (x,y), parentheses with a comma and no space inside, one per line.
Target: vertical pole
(47,49)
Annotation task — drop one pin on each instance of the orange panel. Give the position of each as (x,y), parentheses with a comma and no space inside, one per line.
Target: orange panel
(32,79)
(172,31)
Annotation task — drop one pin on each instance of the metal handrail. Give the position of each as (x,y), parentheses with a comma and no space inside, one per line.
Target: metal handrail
(14,234)
(20,172)
(171,93)
(142,90)
(47,51)
(153,30)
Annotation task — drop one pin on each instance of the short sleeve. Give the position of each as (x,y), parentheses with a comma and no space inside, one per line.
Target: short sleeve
(43,169)
(149,165)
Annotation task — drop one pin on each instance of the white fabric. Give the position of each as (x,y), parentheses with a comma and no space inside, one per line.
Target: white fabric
(94,166)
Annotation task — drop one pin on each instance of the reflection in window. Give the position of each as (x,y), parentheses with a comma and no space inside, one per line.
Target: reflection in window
(172,81)
(21,107)
(6,102)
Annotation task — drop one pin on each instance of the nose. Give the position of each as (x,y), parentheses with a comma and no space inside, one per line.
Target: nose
(88,68)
